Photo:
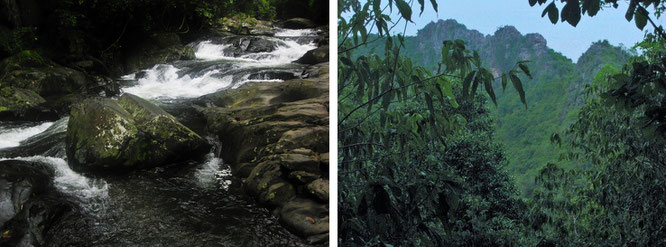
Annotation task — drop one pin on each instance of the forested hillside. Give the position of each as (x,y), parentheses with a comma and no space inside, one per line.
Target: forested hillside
(439,132)
(553,95)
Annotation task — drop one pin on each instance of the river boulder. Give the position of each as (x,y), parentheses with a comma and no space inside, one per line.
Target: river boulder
(29,70)
(319,55)
(128,133)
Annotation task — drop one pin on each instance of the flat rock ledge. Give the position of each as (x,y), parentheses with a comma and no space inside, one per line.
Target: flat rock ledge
(278,135)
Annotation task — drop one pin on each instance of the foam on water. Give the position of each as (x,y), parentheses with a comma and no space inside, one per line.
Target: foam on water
(295,33)
(286,52)
(170,82)
(211,174)
(163,81)
(12,137)
(91,192)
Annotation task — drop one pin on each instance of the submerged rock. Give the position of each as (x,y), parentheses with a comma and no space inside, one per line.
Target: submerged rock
(130,133)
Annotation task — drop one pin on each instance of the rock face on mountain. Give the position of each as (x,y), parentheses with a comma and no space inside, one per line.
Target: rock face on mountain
(130,133)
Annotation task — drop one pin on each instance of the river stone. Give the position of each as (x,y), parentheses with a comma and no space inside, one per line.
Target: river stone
(319,188)
(305,217)
(29,70)
(18,101)
(131,133)
(318,55)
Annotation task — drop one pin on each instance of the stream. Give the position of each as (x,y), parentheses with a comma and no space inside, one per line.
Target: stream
(197,204)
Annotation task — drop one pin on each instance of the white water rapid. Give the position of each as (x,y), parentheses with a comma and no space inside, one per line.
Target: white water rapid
(220,65)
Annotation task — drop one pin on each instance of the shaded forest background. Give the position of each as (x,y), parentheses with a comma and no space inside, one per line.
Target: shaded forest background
(69,31)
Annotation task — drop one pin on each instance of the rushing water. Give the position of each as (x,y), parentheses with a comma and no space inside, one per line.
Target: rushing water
(196,204)
(225,63)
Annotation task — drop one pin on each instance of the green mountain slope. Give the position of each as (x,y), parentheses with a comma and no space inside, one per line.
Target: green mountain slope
(553,95)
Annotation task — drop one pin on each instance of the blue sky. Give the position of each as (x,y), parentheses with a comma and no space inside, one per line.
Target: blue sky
(487,15)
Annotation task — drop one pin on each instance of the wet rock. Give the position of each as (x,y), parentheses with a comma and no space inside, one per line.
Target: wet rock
(29,70)
(240,25)
(277,139)
(18,101)
(319,55)
(305,217)
(319,188)
(243,45)
(131,133)
(303,177)
(298,23)
(29,203)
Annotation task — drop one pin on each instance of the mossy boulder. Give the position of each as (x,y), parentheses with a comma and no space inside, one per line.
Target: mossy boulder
(130,133)
(242,25)
(318,55)
(18,100)
(29,70)
(24,104)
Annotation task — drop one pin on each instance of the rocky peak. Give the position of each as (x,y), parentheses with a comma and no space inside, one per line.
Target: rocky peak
(450,29)
(507,33)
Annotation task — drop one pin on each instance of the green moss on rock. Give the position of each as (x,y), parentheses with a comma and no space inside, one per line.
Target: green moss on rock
(131,133)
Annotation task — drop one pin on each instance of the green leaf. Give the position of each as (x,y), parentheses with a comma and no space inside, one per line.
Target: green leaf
(487,84)
(503,82)
(591,6)
(422,3)
(466,82)
(519,87)
(552,12)
(475,84)
(404,9)
(428,99)
(571,12)
(434,4)
(641,18)
(631,10)
(532,2)
(346,61)
(525,69)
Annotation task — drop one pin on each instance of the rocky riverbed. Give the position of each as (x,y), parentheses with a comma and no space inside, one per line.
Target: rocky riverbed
(221,141)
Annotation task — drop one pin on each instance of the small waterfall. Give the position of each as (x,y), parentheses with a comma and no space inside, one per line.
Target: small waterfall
(296,33)
(210,172)
(13,136)
(93,194)
(45,140)
(221,65)
(163,81)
